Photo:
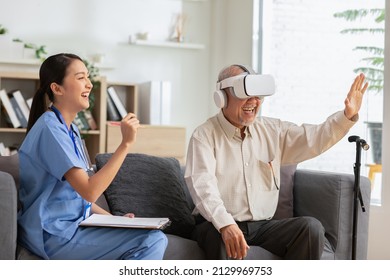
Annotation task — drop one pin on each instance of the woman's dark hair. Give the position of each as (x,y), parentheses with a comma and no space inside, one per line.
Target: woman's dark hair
(53,70)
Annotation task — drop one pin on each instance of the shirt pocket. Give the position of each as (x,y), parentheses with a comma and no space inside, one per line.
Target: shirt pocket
(269,173)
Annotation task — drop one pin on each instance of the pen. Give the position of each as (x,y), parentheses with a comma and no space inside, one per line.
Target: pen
(115,123)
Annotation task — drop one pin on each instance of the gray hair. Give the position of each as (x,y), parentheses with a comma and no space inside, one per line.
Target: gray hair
(230,71)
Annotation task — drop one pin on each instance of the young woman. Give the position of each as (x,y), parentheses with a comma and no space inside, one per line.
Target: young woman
(56,191)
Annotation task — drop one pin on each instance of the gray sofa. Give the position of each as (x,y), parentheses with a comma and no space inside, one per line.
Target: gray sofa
(324,195)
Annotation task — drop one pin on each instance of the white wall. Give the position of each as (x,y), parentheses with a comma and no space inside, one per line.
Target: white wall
(89,27)
(231,37)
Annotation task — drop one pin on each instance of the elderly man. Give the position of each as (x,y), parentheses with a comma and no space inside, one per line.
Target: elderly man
(233,171)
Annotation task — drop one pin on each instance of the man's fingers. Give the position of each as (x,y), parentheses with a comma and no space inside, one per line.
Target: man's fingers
(228,250)
(365,87)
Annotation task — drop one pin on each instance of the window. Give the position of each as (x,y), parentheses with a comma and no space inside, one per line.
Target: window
(313,63)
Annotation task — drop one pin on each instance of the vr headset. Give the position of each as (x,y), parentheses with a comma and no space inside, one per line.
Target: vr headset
(248,85)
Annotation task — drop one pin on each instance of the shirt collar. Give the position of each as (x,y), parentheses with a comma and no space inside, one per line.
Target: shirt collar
(229,129)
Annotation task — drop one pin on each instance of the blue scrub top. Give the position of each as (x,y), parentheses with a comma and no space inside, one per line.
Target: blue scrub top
(49,203)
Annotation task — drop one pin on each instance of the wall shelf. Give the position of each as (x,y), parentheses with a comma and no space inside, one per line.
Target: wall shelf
(21,61)
(167,44)
(38,62)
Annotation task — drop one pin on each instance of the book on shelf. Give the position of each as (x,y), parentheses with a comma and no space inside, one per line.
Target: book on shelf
(3,149)
(154,102)
(117,102)
(29,102)
(18,111)
(90,119)
(9,110)
(112,113)
(22,103)
(7,151)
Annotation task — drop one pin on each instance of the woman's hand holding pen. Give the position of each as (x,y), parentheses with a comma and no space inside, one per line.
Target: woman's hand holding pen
(129,126)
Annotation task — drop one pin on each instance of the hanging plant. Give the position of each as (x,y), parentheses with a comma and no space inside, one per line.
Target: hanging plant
(3,30)
(40,51)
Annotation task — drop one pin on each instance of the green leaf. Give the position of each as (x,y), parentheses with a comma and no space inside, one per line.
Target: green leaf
(371,49)
(363,30)
(374,62)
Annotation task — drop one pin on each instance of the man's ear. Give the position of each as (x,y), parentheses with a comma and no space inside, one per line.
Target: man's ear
(56,89)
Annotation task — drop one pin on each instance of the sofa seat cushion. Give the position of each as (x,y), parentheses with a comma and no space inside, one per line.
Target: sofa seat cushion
(24,254)
(150,186)
(180,248)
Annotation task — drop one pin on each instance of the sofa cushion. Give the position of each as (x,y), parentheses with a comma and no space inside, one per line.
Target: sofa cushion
(150,186)
(285,208)
(8,225)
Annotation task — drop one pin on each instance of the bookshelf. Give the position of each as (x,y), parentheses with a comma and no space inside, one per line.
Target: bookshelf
(128,95)
(155,140)
(28,83)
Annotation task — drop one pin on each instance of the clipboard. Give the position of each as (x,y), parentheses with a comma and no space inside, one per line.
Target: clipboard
(101,220)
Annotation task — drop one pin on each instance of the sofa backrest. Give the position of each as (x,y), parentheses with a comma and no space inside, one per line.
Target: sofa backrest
(10,164)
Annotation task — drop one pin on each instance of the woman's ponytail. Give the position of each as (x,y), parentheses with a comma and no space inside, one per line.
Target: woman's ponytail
(53,70)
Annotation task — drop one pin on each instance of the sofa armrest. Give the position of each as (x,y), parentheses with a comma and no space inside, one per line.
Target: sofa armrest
(8,210)
(329,197)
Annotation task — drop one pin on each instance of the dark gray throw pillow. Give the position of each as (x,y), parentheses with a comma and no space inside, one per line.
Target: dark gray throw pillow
(285,208)
(150,186)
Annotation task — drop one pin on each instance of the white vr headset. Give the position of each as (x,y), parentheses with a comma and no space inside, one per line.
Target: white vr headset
(245,86)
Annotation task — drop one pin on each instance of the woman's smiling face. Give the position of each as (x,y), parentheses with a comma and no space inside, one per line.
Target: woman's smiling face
(77,85)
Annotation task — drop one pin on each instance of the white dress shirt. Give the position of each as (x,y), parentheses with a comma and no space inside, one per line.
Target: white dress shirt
(233,179)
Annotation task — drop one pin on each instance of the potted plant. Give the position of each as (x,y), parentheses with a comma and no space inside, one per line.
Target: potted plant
(373,66)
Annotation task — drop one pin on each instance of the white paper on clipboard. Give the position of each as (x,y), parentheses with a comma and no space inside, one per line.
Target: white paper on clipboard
(100,220)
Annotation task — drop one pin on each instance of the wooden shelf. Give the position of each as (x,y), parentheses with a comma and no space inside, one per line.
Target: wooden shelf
(12,130)
(156,140)
(22,61)
(19,75)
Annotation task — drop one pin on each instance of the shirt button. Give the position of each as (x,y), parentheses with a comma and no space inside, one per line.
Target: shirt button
(246,164)
(249,185)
